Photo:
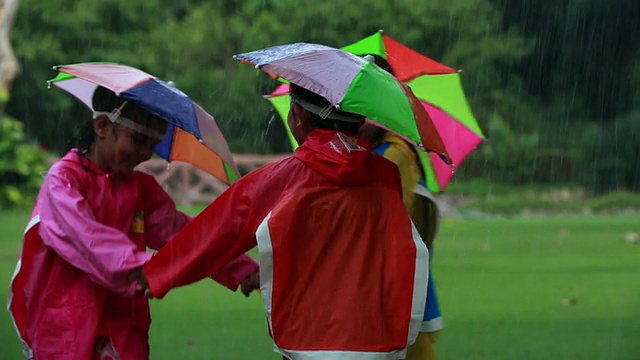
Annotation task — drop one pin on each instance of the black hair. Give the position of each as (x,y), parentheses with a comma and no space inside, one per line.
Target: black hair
(105,100)
(83,137)
(381,62)
(317,122)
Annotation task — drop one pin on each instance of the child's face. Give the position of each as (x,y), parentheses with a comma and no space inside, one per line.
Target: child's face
(129,149)
(123,148)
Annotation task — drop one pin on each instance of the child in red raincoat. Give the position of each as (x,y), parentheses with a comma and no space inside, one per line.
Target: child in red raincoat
(343,273)
(93,220)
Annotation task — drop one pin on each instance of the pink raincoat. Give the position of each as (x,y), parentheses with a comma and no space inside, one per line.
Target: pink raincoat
(69,295)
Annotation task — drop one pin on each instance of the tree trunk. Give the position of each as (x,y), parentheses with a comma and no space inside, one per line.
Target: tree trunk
(9,66)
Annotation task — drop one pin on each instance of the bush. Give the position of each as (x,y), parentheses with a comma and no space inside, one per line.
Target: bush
(616,156)
(562,200)
(21,166)
(510,153)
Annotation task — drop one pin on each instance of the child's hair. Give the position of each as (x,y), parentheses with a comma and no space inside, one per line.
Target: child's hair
(381,62)
(317,122)
(105,100)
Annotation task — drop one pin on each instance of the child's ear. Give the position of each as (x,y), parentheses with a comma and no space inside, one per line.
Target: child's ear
(101,125)
(302,116)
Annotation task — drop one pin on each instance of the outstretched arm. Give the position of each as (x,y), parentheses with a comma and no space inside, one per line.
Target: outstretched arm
(218,235)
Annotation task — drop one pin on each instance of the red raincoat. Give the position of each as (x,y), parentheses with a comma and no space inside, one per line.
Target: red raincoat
(343,271)
(69,293)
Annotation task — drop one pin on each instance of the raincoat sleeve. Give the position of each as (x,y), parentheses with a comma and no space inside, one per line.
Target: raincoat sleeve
(232,274)
(68,226)
(163,221)
(220,234)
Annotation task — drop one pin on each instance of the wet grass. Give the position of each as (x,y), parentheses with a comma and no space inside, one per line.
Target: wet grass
(519,288)
(539,288)
(494,198)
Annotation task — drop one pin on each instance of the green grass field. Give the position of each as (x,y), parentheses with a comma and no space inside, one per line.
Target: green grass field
(510,288)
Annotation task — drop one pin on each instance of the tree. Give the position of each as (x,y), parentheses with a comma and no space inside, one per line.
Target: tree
(191,43)
(20,161)
(21,165)
(8,64)
(584,49)
(45,35)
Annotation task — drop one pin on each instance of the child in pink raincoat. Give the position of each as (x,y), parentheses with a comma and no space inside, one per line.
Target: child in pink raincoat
(93,220)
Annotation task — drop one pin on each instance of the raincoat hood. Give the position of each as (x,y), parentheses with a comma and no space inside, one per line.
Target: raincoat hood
(336,155)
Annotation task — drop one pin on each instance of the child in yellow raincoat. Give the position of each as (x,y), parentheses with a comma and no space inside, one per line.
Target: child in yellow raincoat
(424,213)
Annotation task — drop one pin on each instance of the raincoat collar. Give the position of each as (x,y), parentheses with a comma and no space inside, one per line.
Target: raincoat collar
(74,157)
(336,155)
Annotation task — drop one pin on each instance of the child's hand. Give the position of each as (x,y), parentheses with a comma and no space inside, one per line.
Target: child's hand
(142,286)
(250,283)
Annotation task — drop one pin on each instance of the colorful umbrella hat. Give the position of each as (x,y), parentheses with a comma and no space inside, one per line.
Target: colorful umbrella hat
(440,91)
(354,85)
(192,136)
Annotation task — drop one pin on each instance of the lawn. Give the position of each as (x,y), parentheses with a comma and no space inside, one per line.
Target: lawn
(510,288)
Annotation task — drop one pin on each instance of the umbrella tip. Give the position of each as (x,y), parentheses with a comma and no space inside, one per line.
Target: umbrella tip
(460,71)
(381,31)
